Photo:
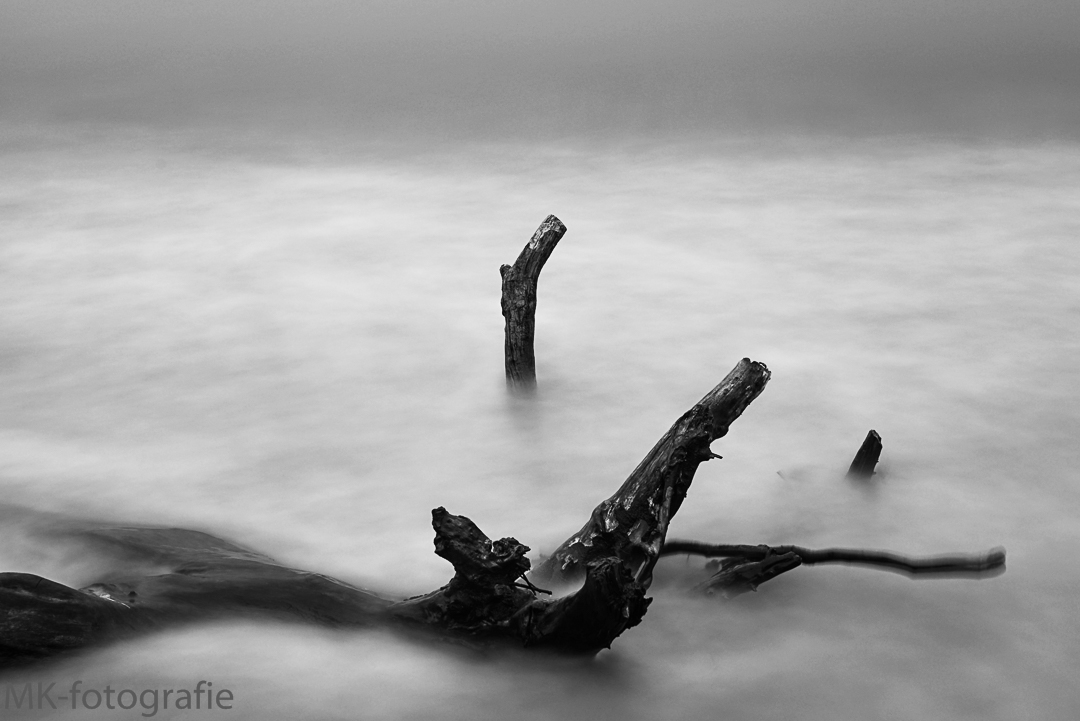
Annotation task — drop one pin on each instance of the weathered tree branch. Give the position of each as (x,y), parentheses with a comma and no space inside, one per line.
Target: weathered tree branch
(486,600)
(198,577)
(631,525)
(746,567)
(862,466)
(519,303)
(614,552)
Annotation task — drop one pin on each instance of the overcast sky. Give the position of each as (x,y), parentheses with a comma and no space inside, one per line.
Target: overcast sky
(585,67)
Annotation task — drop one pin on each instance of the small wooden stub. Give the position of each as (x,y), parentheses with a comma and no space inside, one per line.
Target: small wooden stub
(867,457)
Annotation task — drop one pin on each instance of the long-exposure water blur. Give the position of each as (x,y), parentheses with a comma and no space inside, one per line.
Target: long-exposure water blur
(289,336)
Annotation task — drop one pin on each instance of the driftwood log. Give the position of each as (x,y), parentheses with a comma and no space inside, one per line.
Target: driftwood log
(201,577)
(519,304)
(491,598)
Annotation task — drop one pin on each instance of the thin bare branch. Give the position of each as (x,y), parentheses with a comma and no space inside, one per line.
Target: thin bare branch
(988,563)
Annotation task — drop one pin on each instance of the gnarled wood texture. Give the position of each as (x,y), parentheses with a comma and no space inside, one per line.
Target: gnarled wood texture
(197,576)
(188,576)
(519,303)
(631,525)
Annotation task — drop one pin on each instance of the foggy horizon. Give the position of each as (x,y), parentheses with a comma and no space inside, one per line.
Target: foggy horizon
(529,71)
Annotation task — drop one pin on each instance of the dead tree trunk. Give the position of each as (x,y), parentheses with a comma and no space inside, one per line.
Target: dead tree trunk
(519,304)
(198,577)
(862,466)
(201,577)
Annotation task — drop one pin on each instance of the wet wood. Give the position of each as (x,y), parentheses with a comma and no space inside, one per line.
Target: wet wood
(746,566)
(489,599)
(40,618)
(178,576)
(199,577)
(735,576)
(519,283)
(862,466)
(194,577)
(632,523)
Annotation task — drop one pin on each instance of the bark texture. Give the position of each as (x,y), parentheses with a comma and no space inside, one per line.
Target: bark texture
(631,525)
(188,576)
(199,577)
(519,304)
(489,599)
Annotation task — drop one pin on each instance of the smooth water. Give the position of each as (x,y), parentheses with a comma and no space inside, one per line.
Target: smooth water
(300,351)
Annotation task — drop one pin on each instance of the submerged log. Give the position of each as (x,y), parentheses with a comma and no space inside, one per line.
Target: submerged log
(519,303)
(198,577)
(735,576)
(194,577)
(189,576)
(862,466)
(41,618)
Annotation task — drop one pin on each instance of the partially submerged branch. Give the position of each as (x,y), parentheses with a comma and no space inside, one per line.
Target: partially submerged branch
(745,567)
(483,598)
(735,576)
(190,576)
(198,577)
(41,618)
(519,303)
(631,525)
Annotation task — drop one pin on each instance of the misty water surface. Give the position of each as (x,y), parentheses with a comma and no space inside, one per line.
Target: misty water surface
(300,350)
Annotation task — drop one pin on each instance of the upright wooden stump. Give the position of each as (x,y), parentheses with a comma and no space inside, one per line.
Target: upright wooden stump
(519,304)
(862,466)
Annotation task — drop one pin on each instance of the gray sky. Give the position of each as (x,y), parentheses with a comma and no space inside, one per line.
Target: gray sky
(503,68)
